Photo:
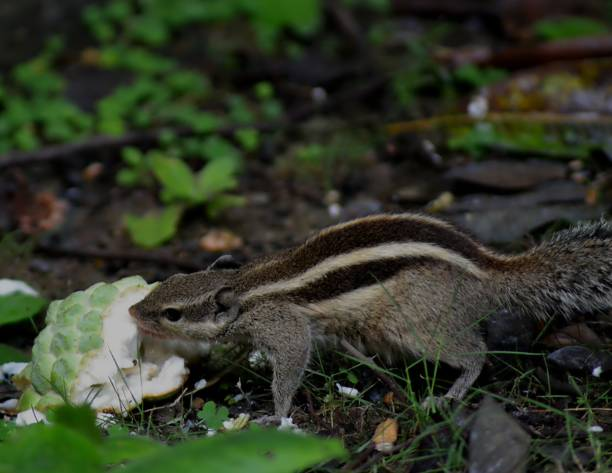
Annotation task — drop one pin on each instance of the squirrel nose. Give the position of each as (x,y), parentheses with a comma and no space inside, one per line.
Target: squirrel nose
(133,311)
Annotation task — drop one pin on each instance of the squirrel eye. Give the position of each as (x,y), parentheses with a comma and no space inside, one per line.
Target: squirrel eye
(171,314)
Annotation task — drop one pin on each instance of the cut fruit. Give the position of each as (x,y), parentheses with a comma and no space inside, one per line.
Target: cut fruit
(91,353)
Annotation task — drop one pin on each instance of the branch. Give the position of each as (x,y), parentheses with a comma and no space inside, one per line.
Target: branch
(444,122)
(162,260)
(97,142)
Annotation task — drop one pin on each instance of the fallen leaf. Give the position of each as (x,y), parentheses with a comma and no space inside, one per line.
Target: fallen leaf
(41,212)
(385,435)
(218,241)
(574,334)
(441,203)
(389,398)
(92,171)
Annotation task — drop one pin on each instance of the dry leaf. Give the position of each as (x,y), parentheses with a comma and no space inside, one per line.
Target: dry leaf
(389,398)
(575,334)
(92,171)
(385,435)
(218,241)
(42,212)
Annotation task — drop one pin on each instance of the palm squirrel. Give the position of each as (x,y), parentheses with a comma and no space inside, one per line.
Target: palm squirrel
(391,285)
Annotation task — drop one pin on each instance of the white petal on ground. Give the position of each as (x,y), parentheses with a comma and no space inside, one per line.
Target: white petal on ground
(346,391)
(286,424)
(238,423)
(11,368)
(104,420)
(478,107)
(10,286)
(597,371)
(201,384)
(595,429)
(9,404)
(30,416)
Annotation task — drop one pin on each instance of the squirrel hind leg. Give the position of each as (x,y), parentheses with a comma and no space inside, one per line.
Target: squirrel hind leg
(471,370)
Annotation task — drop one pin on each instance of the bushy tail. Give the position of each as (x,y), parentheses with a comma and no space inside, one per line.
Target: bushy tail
(571,273)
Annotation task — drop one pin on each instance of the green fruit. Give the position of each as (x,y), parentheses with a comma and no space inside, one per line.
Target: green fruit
(88,345)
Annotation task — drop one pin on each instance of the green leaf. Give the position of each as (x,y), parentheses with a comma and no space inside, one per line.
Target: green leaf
(17,306)
(176,177)
(350,376)
(569,27)
(248,138)
(266,451)
(152,230)
(216,177)
(479,77)
(218,204)
(264,90)
(52,449)
(128,178)
(212,416)
(6,429)
(122,447)
(9,353)
(303,16)
(216,147)
(149,30)
(80,419)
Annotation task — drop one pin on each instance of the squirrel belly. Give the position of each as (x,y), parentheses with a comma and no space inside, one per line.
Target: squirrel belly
(393,284)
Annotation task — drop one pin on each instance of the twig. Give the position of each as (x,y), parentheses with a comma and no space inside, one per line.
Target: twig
(443,122)
(68,150)
(124,255)
(392,385)
(536,55)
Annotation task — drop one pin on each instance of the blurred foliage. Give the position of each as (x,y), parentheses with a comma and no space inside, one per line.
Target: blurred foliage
(151,23)
(551,29)
(8,354)
(526,138)
(32,107)
(326,159)
(72,443)
(477,77)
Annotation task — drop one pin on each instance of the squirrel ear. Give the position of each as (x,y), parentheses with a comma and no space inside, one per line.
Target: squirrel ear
(225,299)
(224,262)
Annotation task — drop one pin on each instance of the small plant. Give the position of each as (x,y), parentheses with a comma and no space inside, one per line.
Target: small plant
(325,160)
(213,416)
(181,188)
(151,24)
(477,77)
(33,110)
(480,137)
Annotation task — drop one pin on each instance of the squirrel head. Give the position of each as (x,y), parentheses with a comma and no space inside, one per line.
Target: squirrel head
(193,306)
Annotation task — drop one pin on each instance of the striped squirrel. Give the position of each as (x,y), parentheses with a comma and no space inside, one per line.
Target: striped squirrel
(392,285)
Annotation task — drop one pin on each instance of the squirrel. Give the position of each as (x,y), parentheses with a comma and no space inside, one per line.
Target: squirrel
(392,284)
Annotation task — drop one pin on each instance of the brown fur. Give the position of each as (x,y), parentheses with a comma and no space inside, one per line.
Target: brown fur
(347,283)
